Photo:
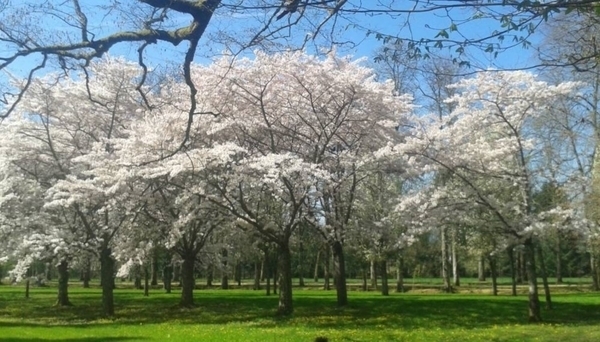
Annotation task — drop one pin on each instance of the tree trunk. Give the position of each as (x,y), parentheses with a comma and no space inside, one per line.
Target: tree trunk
(263,273)
(27,286)
(326,272)
(137,282)
(224,278)
(188,282)
(384,278)
(339,269)
(266,271)
(511,262)
(455,271)
(595,282)
(63,284)
(540,256)
(285,280)
(154,269)
(107,265)
(146,281)
(316,274)
(559,279)
(400,275)
(301,264)
(239,275)
(364,279)
(534,301)
(518,265)
(481,269)
(275,274)
(210,273)
(373,272)
(494,275)
(524,266)
(167,276)
(445,258)
(86,272)
(256,275)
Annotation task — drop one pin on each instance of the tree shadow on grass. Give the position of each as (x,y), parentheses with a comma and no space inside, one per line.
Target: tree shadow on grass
(316,310)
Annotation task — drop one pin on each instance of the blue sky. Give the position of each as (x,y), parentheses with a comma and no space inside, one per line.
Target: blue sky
(226,27)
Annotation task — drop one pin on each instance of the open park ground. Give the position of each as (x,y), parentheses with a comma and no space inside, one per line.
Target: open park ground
(246,315)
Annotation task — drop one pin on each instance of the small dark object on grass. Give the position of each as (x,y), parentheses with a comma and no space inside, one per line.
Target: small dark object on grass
(321,339)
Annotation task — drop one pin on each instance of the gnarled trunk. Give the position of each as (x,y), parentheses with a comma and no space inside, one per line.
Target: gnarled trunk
(455,270)
(339,269)
(316,274)
(188,282)
(107,268)
(63,284)
(285,280)
(534,302)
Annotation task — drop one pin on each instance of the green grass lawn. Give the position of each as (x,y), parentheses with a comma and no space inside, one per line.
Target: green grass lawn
(242,315)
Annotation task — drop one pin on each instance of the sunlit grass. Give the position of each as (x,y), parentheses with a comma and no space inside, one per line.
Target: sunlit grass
(238,315)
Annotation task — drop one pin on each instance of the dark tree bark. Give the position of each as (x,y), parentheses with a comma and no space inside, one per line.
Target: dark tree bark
(63,284)
(154,269)
(266,271)
(188,282)
(238,273)
(167,276)
(384,278)
(511,262)
(224,277)
(540,256)
(534,301)
(339,269)
(365,285)
(256,276)
(594,271)
(146,281)
(519,267)
(86,272)
(27,281)
(400,275)
(210,274)
(481,269)
(494,274)
(326,271)
(316,273)
(107,266)
(285,280)
(137,277)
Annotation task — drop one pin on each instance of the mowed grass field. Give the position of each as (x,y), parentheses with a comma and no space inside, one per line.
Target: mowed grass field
(246,315)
